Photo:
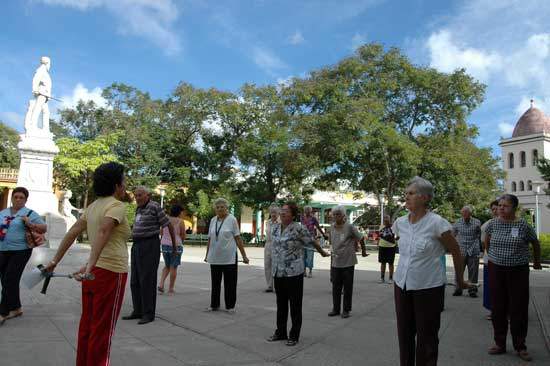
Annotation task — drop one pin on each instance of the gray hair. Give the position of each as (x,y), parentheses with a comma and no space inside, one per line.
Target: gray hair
(143,188)
(386,216)
(341,209)
(423,187)
(221,201)
(273,208)
(308,208)
(468,208)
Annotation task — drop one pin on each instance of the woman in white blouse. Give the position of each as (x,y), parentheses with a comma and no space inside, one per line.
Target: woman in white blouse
(419,279)
(223,239)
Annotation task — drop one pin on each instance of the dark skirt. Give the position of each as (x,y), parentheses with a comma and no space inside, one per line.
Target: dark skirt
(486,290)
(386,255)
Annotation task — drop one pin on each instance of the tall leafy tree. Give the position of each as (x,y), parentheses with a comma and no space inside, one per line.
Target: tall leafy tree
(9,154)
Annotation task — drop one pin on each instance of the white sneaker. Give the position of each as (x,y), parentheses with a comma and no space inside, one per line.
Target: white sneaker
(390,281)
(381,281)
(231,311)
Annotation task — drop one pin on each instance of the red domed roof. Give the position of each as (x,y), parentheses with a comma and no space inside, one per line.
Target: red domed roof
(533,121)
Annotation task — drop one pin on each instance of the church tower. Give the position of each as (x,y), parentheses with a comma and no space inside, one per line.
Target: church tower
(520,153)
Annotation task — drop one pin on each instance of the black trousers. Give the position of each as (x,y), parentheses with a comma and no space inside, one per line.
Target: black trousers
(145,257)
(342,278)
(289,290)
(229,274)
(418,316)
(12,263)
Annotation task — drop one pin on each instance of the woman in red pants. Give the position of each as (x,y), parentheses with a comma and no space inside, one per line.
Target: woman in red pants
(108,230)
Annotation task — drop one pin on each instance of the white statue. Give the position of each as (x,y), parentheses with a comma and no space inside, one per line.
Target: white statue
(67,208)
(42,92)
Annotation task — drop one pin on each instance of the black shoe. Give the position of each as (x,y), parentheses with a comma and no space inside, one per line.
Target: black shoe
(291,342)
(131,317)
(334,313)
(345,315)
(145,321)
(473,294)
(457,293)
(268,290)
(275,338)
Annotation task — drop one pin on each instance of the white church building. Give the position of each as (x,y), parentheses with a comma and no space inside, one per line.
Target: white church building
(520,153)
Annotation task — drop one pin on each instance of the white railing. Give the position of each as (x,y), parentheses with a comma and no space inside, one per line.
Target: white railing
(9,175)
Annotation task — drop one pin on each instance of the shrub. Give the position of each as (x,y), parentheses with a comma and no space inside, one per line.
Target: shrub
(247,237)
(545,246)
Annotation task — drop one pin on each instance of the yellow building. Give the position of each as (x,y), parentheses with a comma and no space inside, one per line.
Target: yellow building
(8,181)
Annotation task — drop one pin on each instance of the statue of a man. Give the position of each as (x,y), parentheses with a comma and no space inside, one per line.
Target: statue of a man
(42,92)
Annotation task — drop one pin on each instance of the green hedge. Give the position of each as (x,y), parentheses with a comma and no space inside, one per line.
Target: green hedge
(545,246)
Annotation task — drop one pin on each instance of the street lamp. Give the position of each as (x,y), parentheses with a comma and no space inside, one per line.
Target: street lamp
(162,193)
(381,200)
(537,185)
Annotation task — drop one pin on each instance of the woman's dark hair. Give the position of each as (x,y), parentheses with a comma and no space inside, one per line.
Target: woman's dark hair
(293,209)
(510,198)
(494,203)
(175,210)
(106,177)
(23,190)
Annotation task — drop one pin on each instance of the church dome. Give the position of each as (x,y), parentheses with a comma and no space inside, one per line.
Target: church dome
(531,122)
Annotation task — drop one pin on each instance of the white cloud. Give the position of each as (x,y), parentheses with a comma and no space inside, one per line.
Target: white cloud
(150,19)
(12,119)
(296,39)
(447,56)
(529,64)
(505,129)
(267,60)
(525,103)
(80,92)
(358,40)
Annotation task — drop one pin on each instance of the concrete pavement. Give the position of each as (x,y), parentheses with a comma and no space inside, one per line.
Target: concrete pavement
(184,334)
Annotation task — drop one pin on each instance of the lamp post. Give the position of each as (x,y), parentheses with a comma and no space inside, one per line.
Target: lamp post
(537,186)
(381,200)
(162,193)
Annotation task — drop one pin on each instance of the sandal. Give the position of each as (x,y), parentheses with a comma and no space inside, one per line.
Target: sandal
(14,314)
(496,350)
(160,289)
(171,293)
(2,320)
(524,355)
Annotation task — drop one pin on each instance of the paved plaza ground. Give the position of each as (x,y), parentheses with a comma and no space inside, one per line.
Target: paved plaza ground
(184,334)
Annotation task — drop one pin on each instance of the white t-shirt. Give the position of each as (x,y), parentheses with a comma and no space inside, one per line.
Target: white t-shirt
(420,252)
(223,247)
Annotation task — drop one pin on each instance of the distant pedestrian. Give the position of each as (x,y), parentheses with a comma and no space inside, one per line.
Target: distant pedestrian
(224,237)
(273,219)
(312,225)
(289,240)
(467,231)
(387,244)
(171,254)
(345,239)
(507,239)
(419,280)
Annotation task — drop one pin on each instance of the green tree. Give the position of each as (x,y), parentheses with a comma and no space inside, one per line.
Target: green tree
(9,154)
(76,162)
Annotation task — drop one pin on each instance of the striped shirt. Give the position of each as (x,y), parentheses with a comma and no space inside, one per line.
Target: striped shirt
(149,219)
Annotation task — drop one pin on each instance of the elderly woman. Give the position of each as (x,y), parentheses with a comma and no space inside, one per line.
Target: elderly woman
(273,219)
(15,251)
(386,249)
(107,226)
(170,253)
(224,238)
(507,239)
(312,225)
(419,279)
(344,239)
(289,240)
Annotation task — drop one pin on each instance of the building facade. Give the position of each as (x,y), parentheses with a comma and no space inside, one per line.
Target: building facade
(530,141)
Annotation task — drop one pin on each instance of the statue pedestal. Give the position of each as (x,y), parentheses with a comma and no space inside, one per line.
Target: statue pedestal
(36,174)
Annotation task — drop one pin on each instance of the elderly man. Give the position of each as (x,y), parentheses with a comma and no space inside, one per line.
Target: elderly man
(145,255)
(467,231)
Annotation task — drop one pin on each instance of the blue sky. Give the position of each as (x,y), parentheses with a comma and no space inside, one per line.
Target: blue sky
(155,44)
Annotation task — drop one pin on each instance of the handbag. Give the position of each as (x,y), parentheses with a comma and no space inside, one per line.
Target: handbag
(34,238)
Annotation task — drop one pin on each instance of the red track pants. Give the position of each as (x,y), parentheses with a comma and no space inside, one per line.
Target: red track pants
(101,303)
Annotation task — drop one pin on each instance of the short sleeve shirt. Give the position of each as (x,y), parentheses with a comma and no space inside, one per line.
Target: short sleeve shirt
(114,256)
(149,219)
(420,251)
(14,238)
(223,247)
(509,245)
(311,225)
(287,249)
(468,235)
(343,241)
(387,237)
